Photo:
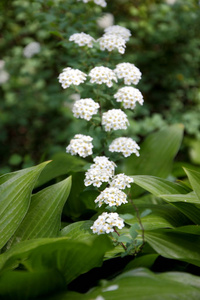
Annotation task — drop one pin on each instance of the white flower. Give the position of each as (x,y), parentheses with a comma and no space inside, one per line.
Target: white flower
(111,196)
(129,96)
(118,30)
(71,76)
(85,108)
(101,171)
(114,119)
(111,42)
(82,39)
(4,76)
(125,145)
(98,2)
(31,49)
(121,181)
(129,72)
(106,223)
(101,75)
(105,21)
(81,145)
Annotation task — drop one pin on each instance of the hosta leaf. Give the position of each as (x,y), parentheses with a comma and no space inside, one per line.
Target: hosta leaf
(175,244)
(44,215)
(142,284)
(70,257)
(189,198)
(194,178)
(158,186)
(62,163)
(15,194)
(156,154)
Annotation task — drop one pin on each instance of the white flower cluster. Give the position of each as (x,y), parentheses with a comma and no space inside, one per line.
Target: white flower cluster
(101,75)
(129,96)
(126,146)
(82,39)
(31,49)
(129,72)
(105,21)
(114,119)
(81,145)
(121,181)
(119,31)
(71,76)
(111,196)
(106,223)
(98,2)
(101,171)
(85,108)
(111,42)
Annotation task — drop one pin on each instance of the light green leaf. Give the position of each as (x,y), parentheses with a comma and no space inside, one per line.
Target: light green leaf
(189,198)
(145,261)
(44,215)
(158,186)
(15,194)
(175,244)
(194,178)
(142,284)
(78,231)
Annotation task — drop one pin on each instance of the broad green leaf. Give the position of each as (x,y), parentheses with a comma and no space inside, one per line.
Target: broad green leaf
(62,163)
(21,285)
(189,198)
(15,195)
(175,244)
(142,284)
(78,230)
(70,257)
(194,178)
(144,261)
(44,215)
(190,210)
(158,186)
(156,154)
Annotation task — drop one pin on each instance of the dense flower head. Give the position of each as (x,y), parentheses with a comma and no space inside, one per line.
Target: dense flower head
(82,39)
(101,171)
(71,76)
(106,223)
(98,2)
(81,145)
(114,119)
(106,20)
(111,42)
(119,31)
(85,108)
(31,49)
(129,72)
(129,95)
(111,196)
(126,146)
(101,75)
(121,181)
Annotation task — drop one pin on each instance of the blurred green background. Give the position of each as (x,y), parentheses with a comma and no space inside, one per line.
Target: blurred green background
(35,112)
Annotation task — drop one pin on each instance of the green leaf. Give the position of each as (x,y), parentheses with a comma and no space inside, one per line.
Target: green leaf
(175,244)
(44,215)
(156,154)
(15,199)
(158,186)
(78,231)
(145,261)
(70,257)
(62,163)
(133,230)
(23,285)
(194,178)
(190,210)
(142,284)
(189,198)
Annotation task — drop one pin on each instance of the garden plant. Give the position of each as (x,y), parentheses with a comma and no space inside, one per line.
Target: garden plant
(112,216)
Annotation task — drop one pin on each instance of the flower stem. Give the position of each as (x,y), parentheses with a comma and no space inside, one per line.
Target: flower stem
(120,242)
